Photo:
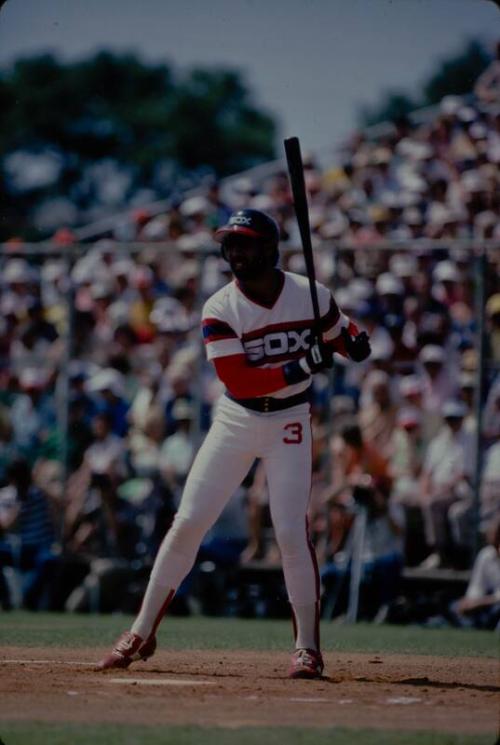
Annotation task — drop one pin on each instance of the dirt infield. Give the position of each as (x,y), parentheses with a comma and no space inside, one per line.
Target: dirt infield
(235,689)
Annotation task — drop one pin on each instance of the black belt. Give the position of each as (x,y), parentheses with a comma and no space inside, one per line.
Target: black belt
(267,404)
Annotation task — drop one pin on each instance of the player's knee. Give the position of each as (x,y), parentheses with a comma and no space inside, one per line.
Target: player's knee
(292,542)
(185,531)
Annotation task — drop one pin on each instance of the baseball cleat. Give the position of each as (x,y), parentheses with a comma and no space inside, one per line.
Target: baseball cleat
(127,649)
(306,663)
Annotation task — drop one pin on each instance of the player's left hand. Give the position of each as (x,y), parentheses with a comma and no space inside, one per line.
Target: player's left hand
(318,357)
(358,347)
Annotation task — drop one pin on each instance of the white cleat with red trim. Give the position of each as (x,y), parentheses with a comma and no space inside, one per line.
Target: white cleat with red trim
(127,649)
(306,663)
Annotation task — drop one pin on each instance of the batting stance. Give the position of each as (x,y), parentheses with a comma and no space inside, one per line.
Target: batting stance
(257,332)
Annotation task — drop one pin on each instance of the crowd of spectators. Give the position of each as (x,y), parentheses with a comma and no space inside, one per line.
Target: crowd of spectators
(398,436)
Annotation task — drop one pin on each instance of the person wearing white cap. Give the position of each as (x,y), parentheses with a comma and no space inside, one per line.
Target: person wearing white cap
(411,392)
(389,285)
(448,283)
(446,271)
(32,413)
(437,379)
(446,478)
(403,266)
(17,272)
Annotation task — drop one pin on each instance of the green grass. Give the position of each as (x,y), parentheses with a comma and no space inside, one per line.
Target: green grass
(52,629)
(43,734)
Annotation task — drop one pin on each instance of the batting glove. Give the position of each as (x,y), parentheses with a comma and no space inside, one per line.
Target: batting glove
(318,357)
(358,347)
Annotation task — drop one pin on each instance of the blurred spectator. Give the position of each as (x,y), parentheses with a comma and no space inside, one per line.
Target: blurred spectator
(32,413)
(403,352)
(407,457)
(378,418)
(28,521)
(446,478)
(437,380)
(410,391)
(141,307)
(105,456)
(35,342)
(106,534)
(225,541)
(215,576)
(353,459)
(108,392)
(366,484)
(262,545)
(480,606)
(147,428)
(407,454)
(177,452)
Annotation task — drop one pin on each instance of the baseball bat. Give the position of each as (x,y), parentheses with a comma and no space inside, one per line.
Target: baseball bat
(296,173)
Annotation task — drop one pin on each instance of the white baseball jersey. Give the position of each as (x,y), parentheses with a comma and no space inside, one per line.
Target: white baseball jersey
(269,336)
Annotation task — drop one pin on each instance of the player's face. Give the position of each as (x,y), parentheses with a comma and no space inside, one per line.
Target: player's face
(247,257)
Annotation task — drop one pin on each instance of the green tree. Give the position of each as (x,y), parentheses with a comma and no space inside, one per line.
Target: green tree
(113,113)
(393,106)
(455,75)
(214,122)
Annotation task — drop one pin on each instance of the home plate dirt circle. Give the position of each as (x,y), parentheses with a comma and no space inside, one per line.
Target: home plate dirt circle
(242,688)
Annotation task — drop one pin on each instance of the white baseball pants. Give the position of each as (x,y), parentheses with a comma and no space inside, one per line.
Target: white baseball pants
(236,438)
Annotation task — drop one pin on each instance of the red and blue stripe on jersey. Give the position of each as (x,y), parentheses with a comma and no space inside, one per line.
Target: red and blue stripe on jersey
(215,330)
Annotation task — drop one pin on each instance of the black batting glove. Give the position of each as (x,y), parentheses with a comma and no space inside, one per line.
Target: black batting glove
(318,357)
(358,347)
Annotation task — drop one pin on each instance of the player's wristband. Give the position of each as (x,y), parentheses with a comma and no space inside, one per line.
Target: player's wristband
(296,371)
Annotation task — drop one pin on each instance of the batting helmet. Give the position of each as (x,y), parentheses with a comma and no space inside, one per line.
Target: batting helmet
(253,223)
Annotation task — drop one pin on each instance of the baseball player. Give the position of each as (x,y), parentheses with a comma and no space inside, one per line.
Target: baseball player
(257,332)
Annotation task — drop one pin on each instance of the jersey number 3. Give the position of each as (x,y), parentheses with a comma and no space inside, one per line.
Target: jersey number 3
(294,436)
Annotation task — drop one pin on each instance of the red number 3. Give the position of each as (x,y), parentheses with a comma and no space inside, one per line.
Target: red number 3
(295,433)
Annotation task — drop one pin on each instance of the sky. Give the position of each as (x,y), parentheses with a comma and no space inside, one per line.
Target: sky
(311,63)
